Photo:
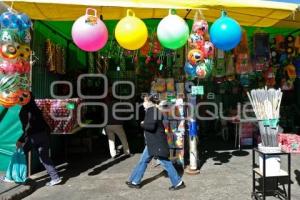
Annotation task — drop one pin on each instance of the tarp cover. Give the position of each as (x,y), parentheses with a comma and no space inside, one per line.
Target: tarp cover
(248,12)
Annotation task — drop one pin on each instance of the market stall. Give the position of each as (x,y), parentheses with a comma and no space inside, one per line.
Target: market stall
(220,76)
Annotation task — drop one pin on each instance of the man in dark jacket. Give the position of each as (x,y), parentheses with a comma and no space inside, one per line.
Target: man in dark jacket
(36,135)
(156,146)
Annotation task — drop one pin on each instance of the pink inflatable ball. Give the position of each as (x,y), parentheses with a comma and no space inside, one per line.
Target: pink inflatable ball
(89,33)
(8,67)
(200,27)
(209,49)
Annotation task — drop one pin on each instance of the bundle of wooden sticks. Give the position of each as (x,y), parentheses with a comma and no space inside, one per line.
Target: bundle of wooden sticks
(266,106)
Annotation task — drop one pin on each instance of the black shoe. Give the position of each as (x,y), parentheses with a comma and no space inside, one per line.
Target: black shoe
(181,186)
(131,185)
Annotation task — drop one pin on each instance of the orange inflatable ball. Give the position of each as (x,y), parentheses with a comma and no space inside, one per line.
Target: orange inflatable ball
(131,32)
(195,56)
(24,97)
(9,98)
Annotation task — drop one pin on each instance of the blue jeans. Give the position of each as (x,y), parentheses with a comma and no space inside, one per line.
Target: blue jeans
(139,170)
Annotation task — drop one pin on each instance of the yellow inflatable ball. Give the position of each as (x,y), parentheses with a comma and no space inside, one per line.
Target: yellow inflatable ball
(131,32)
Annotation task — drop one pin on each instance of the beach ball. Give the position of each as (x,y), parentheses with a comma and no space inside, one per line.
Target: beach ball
(25,36)
(24,51)
(200,27)
(8,35)
(225,33)
(89,33)
(195,56)
(190,69)
(201,70)
(172,31)
(23,21)
(196,41)
(24,97)
(131,32)
(9,20)
(208,49)
(9,50)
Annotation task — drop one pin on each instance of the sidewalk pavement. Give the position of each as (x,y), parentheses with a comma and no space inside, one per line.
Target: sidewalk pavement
(13,191)
(225,175)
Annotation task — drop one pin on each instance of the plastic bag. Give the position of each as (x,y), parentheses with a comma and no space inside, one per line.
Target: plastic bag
(17,168)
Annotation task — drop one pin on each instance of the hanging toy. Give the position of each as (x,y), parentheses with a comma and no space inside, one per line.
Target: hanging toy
(201,70)
(190,69)
(209,49)
(24,52)
(131,32)
(23,21)
(242,64)
(195,56)
(280,43)
(172,31)
(24,97)
(200,27)
(8,98)
(8,36)
(225,33)
(196,41)
(9,20)
(269,77)
(89,33)
(25,36)
(9,50)
(290,71)
(230,70)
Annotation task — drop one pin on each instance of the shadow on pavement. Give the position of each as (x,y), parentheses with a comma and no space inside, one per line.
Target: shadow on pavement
(107,164)
(209,147)
(149,180)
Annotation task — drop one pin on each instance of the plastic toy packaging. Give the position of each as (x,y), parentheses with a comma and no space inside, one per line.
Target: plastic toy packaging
(180,157)
(170,84)
(180,88)
(181,126)
(159,85)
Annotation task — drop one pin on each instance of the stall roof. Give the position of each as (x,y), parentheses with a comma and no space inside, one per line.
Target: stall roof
(259,13)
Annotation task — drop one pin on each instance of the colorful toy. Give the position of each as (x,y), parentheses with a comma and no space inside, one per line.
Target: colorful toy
(89,33)
(190,69)
(209,49)
(225,33)
(9,20)
(25,36)
(14,81)
(290,71)
(24,51)
(200,27)
(269,76)
(9,98)
(196,41)
(8,36)
(21,67)
(23,21)
(9,50)
(195,56)
(24,97)
(172,31)
(201,70)
(131,32)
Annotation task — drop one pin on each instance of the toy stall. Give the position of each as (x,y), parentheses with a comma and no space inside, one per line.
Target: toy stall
(179,50)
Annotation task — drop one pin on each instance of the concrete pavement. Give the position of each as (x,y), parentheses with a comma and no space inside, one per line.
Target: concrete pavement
(225,175)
